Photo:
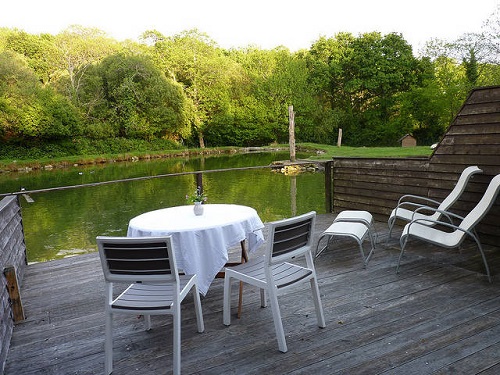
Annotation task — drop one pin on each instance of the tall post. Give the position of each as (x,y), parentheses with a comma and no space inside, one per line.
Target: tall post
(293,195)
(329,186)
(14,294)
(199,181)
(291,132)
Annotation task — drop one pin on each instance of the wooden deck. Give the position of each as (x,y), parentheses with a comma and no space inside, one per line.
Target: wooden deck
(438,316)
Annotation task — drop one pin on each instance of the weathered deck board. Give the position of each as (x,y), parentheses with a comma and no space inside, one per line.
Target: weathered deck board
(439,315)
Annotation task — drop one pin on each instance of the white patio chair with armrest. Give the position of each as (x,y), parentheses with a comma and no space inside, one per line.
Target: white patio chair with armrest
(156,288)
(289,239)
(426,230)
(408,203)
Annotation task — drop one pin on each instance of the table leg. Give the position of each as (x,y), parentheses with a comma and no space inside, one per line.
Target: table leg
(244,259)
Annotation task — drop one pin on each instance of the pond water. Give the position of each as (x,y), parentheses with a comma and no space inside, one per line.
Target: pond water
(65,222)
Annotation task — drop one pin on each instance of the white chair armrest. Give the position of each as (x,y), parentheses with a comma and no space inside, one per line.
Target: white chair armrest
(409,205)
(410,197)
(449,215)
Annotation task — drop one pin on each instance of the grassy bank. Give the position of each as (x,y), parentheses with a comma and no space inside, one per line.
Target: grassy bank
(322,152)
(61,162)
(327,151)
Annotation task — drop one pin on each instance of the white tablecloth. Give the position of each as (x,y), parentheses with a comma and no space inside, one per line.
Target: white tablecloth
(202,242)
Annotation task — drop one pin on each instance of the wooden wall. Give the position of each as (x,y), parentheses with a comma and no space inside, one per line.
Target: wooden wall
(473,138)
(12,253)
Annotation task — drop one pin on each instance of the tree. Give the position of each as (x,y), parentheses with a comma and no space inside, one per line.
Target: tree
(424,107)
(449,75)
(29,111)
(325,61)
(491,34)
(39,51)
(127,96)
(78,49)
(471,68)
(207,75)
(365,76)
(478,52)
(276,79)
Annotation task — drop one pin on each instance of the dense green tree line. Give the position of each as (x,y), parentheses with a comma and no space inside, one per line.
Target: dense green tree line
(82,92)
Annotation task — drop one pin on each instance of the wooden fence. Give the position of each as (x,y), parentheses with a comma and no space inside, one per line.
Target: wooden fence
(473,138)
(12,262)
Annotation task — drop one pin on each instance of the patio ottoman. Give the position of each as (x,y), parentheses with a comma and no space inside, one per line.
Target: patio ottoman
(354,224)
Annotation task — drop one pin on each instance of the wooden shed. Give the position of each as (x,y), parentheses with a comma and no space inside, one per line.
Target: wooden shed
(473,138)
(408,141)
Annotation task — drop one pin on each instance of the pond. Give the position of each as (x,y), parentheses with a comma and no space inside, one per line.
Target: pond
(65,222)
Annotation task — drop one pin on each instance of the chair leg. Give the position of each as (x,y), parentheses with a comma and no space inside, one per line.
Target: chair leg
(372,249)
(240,299)
(485,262)
(226,310)
(108,344)
(147,322)
(373,234)
(317,303)
(403,242)
(263,298)
(318,251)
(177,340)
(244,259)
(360,243)
(278,324)
(390,222)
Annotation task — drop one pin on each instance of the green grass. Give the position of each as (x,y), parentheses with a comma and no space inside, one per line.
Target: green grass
(13,165)
(366,152)
(326,152)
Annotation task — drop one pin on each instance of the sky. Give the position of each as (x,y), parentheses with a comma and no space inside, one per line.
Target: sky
(262,23)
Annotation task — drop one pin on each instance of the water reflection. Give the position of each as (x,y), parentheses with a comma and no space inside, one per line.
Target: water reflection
(66,222)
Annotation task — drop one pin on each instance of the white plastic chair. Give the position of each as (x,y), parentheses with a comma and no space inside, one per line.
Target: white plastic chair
(289,239)
(408,203)
(157,288)
(425,229)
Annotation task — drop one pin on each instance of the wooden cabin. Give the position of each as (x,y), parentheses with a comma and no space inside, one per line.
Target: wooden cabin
(408,141)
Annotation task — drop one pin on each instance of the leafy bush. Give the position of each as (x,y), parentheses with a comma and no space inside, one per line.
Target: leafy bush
(81,146)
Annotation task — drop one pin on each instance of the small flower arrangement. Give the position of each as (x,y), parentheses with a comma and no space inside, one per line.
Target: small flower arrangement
(198,196)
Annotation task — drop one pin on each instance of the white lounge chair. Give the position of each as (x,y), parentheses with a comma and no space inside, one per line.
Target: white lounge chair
(425,228)
(156,288)
(407,204)
(289,239)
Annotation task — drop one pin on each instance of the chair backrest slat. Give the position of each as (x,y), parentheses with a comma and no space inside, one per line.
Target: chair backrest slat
(138,259)
(290,237)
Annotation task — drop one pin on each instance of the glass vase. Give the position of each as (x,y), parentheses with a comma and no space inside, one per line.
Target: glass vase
(198,208)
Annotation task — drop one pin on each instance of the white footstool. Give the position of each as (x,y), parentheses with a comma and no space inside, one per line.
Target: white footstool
(360,217)
(354,224)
